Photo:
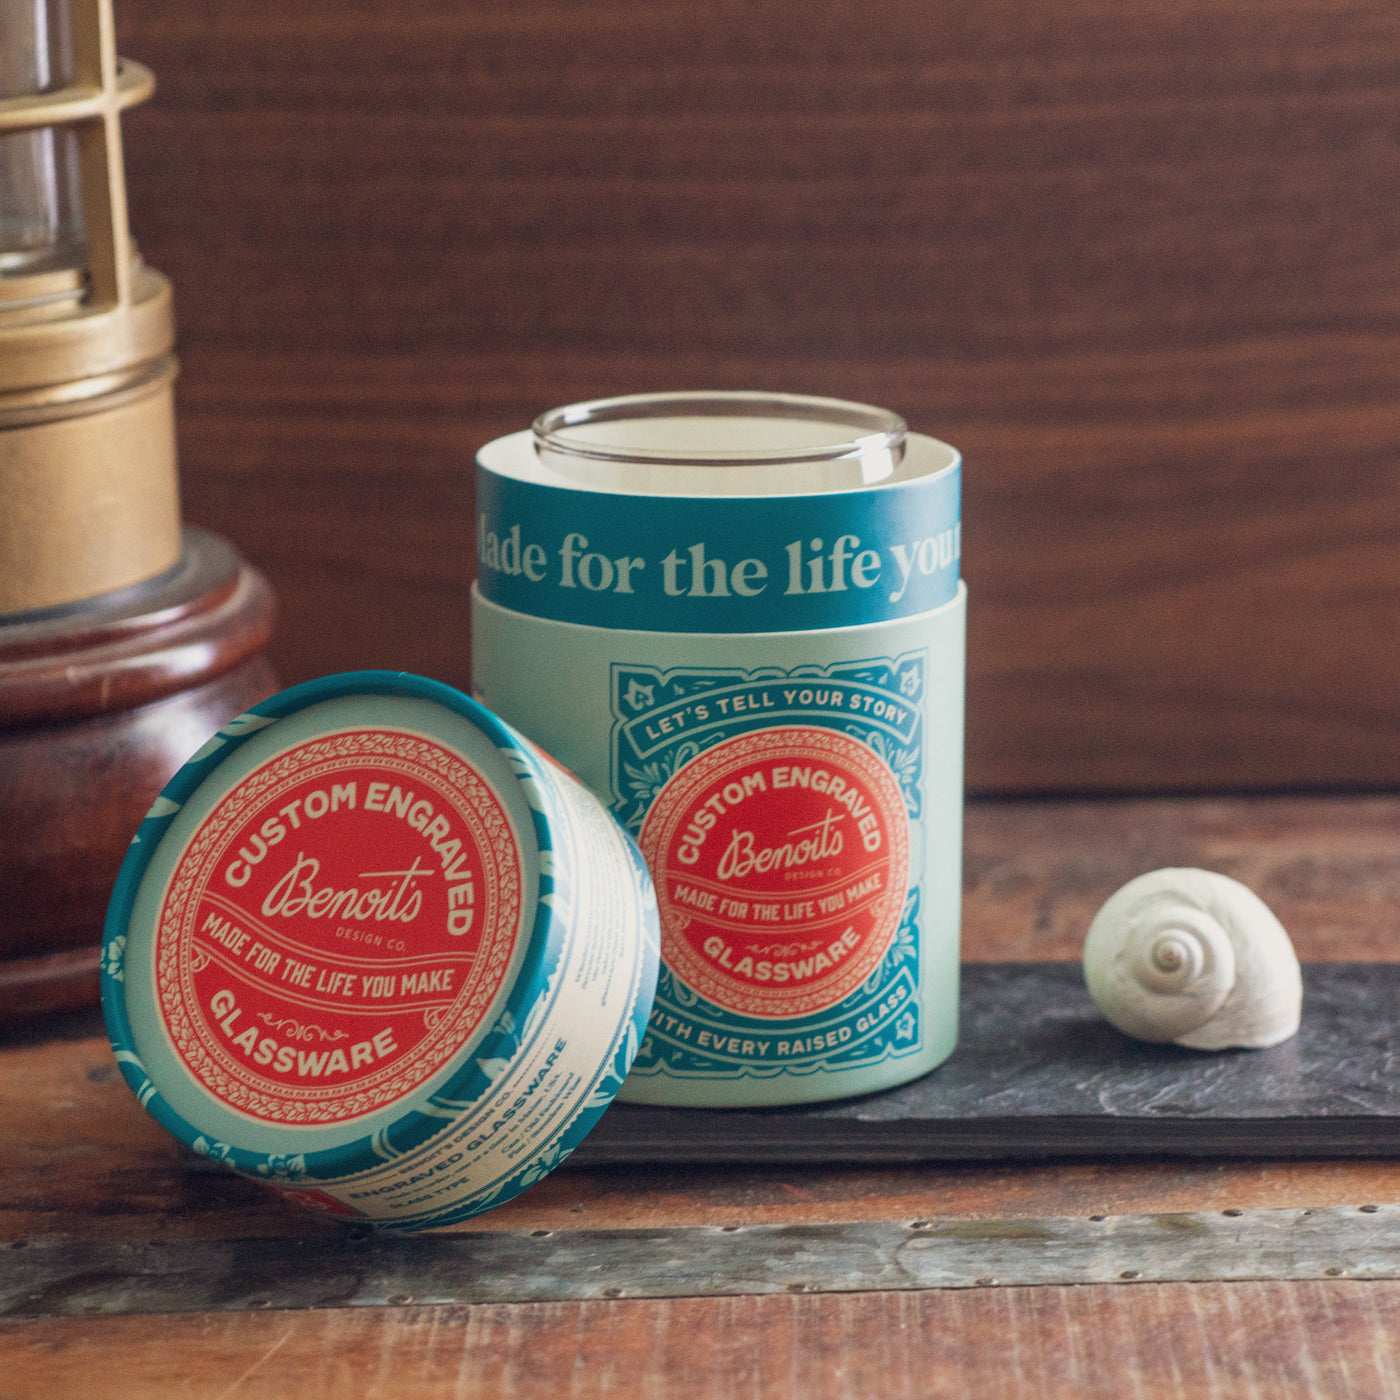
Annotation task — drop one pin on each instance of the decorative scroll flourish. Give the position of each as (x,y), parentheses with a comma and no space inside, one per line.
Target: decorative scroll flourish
(295,1030)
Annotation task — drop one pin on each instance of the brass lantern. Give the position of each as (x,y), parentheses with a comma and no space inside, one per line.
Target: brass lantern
(125,639)
(88,489)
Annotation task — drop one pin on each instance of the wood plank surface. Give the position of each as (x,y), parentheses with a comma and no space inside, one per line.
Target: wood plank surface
(83,1163)
(1137,260)
(1153,1342)
(1035,873)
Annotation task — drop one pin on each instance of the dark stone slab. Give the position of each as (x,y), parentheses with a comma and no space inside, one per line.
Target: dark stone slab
(1039,1073)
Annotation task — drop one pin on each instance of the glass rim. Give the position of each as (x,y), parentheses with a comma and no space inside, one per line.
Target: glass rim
(879,429)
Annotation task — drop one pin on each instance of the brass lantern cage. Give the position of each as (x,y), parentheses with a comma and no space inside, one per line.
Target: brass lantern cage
(89,497)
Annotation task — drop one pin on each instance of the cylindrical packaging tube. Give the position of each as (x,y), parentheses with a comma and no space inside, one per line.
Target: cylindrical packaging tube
(371,948)
(739,619)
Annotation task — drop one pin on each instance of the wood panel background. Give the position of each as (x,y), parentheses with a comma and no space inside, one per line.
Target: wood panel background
(1138,259)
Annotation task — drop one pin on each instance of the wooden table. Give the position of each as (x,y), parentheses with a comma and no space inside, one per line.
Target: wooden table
(83,1166)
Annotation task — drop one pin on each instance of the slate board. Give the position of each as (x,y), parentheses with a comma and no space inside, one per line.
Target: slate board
(1038,1073)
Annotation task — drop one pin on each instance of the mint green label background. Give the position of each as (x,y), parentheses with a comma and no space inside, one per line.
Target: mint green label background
(579,692)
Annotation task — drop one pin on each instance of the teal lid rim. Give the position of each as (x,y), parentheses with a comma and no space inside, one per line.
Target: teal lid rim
(883,517)
(470,1082)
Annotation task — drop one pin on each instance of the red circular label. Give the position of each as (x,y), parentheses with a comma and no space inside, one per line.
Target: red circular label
(338,926)
(780,859)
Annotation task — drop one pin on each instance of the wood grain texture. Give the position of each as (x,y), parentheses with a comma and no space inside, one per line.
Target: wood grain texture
(1154,1342)
(99,705)
(84,1161)
(1035,873)
(1137,260)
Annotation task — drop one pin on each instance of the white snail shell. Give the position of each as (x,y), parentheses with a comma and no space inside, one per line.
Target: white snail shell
(1193,957)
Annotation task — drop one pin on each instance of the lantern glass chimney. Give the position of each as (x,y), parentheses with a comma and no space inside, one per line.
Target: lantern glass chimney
(40,211)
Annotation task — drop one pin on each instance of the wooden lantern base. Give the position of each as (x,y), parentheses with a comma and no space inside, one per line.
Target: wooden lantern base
(99,705)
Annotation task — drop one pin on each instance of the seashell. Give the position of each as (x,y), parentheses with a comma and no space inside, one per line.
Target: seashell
(1193,957)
